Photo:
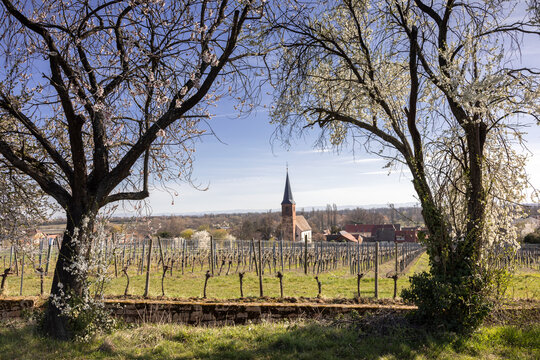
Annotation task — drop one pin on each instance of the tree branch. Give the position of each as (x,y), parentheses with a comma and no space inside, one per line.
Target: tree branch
(42,178)
(333,115)
(121,170)
(140,195)
(7,105)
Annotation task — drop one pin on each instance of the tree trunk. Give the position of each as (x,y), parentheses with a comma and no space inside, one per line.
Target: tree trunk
(56,324)
(439,242)
(471,248)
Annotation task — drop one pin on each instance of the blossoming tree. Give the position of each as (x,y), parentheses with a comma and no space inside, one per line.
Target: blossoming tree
(22,205)
(437,87)
(97,98)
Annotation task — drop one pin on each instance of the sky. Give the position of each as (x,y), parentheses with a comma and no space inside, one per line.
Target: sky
(245,171)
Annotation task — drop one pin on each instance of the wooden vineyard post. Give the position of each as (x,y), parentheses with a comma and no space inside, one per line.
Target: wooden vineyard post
(349,260)
(395,269)
(16,260)
(40,271)
(40,251)
(273,260)
(281,252)
(115,263)
(142,256)
(161,258)
(48,258)
(261,294)
(254,256)
(136,245)
(22,274)
(250,256)
(123,252)
(305,255)
(377,270)
(183,254)
(148,263)
(211,254)
(358,257)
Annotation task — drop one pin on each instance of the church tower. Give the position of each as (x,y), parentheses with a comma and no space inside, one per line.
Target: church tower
(288,213)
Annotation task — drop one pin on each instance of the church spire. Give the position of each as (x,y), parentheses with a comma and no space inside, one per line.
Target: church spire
(287,195)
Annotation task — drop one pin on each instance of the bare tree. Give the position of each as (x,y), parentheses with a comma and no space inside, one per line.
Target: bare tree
(96,96)
(434,87)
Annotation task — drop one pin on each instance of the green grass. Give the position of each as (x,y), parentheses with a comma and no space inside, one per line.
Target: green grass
(524,286)
(297,340)
(335,284)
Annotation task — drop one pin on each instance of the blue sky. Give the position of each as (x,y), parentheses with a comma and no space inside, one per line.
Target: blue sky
(245,171)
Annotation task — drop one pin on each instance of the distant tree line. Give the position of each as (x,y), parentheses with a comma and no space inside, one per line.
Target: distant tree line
(265,225)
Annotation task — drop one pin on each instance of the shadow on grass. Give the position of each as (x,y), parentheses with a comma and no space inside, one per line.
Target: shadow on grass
(390,338)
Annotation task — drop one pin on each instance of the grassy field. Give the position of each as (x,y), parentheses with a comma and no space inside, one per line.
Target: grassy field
(298,340)
(340,339)
(335,284)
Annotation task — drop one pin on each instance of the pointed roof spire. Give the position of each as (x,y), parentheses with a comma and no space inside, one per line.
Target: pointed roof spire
(287,195)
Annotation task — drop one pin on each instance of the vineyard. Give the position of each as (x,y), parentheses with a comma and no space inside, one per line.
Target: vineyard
(155,267)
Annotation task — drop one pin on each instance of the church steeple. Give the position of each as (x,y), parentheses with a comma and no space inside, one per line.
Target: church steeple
(288,212)
(287,195)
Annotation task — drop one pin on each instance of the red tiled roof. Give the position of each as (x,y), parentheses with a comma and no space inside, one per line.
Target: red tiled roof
(349,237)
(369,228)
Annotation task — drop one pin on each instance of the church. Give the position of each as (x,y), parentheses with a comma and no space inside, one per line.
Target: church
(294,228)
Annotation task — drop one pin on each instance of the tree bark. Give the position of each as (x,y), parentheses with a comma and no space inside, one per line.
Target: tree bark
(471,247)
(56,324)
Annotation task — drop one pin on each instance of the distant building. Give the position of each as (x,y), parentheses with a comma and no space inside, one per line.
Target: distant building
(384,232)
(408,234)
(343,236)
(302,229)
(294,228)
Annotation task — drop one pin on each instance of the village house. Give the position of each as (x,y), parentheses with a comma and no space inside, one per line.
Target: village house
(383,232)
(343,236)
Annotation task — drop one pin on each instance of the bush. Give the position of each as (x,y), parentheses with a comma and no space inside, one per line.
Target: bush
(86,318)
(458,303)
(532,238)
(186,234)
(165,235)
(219,234)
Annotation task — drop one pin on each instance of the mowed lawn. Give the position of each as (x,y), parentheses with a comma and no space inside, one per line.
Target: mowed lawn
(296,340)
(335,284)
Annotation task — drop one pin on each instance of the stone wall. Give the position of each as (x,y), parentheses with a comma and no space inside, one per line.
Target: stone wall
(203,313)
(228,313)
(11,308)
(216,314)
